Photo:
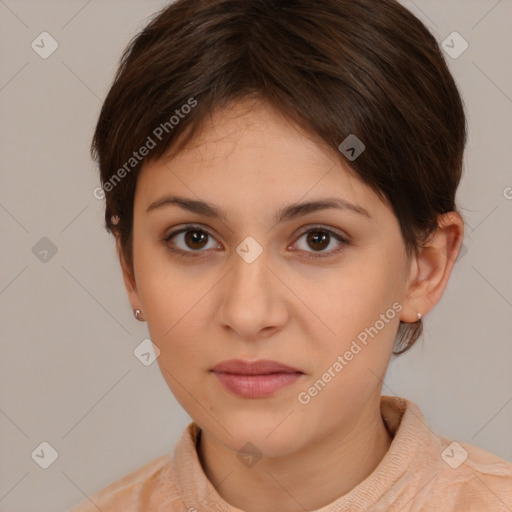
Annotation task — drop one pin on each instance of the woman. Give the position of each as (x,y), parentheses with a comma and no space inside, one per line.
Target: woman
(280,178)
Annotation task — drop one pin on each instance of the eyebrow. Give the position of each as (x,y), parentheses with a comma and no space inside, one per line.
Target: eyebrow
(287,213)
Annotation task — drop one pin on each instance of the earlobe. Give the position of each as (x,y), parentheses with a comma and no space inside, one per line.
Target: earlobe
(432,266)
(137,313)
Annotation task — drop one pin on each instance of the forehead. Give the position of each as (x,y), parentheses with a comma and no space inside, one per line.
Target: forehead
(250,154)
(249,126)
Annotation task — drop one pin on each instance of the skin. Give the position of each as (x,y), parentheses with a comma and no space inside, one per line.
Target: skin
(300,311)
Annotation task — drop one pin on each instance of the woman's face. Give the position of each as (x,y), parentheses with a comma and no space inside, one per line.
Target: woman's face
(250,286)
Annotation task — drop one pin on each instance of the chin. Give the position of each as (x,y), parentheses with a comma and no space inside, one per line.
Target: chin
(271,437)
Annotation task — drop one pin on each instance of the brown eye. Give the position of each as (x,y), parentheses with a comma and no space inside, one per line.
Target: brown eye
(195,239)
(189,241)
(319,239)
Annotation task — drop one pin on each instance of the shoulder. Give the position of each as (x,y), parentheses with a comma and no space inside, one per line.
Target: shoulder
(131,492)
(439,473)
(469,479)
(154,487)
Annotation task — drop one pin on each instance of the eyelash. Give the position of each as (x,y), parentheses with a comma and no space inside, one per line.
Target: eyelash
(193,254)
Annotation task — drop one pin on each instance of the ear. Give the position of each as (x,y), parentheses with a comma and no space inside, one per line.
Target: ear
(128,278)
(432,266)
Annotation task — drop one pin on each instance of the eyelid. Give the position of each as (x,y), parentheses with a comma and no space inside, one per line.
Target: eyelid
(322,227)
(189,227)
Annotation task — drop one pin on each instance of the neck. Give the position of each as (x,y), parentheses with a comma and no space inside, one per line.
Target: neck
(331,467)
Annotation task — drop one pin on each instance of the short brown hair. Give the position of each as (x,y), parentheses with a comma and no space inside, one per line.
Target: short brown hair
(336,67)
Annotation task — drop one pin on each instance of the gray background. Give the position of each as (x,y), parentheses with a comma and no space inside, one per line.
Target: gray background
(68,374)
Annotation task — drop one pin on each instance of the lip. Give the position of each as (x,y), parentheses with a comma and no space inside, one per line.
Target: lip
(260,367)
(255,379)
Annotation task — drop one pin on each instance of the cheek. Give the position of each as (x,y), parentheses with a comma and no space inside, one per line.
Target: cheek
(356,297)
(351,361)
(360,308)
(183,358)
(165,289)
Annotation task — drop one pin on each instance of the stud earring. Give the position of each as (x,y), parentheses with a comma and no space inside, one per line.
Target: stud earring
(138,315)
(419,316)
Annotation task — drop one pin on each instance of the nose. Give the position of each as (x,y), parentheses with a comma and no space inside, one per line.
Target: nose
(253,298)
